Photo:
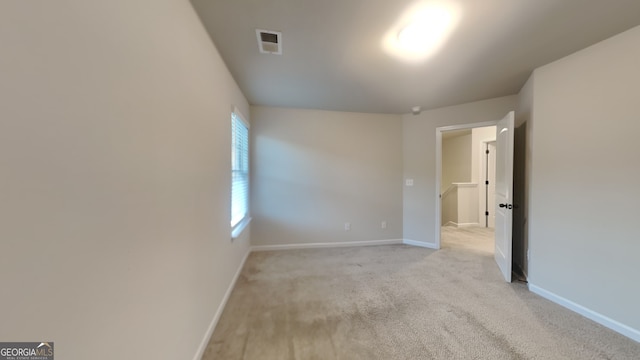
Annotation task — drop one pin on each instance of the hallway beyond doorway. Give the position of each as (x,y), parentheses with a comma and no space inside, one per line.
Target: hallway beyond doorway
(474,238)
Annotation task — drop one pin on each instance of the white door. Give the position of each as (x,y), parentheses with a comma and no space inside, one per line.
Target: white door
(504,193)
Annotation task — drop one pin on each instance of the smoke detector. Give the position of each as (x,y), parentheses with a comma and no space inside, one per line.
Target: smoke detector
(269,42)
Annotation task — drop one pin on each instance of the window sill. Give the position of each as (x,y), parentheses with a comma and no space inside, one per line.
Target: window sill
(239,228)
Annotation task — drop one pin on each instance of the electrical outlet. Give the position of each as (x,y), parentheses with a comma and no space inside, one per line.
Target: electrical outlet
(347,226)
(383,225)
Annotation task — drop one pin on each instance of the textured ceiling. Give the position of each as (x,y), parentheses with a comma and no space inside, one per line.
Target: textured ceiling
(333,57)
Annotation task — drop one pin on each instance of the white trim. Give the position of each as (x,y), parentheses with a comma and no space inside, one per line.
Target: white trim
(466,185)
(216,317)
(466,224)
(467,126)
(419,244)
(459,225)
(458,185)
(449,189)
(234,109)
(237,230)
(614,325)
(325,245)
(439,195)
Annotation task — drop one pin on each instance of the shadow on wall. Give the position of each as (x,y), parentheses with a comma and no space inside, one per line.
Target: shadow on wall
(519,230)
(325,177)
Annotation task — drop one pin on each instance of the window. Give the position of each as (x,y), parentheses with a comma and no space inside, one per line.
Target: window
(239,172)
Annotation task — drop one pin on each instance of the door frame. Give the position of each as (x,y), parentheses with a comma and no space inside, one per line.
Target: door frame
(485,144)
(439,131)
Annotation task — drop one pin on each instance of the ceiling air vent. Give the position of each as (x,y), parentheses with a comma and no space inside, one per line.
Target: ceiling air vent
(269,42)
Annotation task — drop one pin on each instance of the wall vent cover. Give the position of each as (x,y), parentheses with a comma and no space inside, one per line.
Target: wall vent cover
(269,42)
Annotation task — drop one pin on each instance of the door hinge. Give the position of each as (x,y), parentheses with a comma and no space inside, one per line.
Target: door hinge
(487,151)
(486,182)
(486,213)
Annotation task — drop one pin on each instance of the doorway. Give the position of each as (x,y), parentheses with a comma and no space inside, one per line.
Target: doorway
(467,183)
(504,137)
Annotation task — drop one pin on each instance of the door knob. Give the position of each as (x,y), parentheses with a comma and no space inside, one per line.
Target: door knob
(508,206)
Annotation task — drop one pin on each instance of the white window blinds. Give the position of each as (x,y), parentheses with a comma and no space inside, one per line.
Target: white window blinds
(239,169)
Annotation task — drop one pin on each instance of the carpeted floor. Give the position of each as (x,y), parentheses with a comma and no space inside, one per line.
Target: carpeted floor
(399,302)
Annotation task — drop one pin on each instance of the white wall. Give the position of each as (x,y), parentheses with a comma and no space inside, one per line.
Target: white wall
(583,233)
(450,207)
(315,170)
(456,160)
(114,178)
(419,146)
(479,136)
(467,204)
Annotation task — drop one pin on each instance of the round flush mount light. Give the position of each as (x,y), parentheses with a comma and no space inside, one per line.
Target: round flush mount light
(421,31)
(416,110)
(412,35)
(424,30)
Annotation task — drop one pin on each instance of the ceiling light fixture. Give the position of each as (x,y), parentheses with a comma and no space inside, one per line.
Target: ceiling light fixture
(421,31)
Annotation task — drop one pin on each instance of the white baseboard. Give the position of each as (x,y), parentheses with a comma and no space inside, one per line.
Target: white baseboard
(467,224)
(614,325)
(420,244)
(452,223)
(325,245)
(216,317)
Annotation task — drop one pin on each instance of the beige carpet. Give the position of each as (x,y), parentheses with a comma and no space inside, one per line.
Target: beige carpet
(399,302)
